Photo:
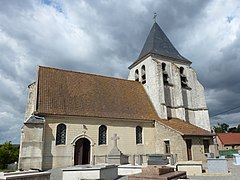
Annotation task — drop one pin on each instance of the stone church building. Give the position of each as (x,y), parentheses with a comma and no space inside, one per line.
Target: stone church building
(71,117)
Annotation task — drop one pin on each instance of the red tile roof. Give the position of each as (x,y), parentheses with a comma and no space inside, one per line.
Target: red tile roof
(229,138)
(185,128)
(69,93)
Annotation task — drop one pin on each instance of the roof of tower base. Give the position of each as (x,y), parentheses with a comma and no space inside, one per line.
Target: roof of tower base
(185,128)
(158,43)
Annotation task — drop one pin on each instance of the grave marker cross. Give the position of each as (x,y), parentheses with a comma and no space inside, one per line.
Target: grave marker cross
(115,138)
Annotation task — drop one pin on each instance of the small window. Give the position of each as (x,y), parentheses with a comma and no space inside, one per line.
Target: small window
(102,136)
(167,147)
(136,75)
(138,135)
(143,72)
(165,74)
(61,134)
(206,146)
(183,78)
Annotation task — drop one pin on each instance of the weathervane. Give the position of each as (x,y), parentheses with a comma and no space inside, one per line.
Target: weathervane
(155,16)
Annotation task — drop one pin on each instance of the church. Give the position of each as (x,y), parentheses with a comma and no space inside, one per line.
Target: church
(72,117)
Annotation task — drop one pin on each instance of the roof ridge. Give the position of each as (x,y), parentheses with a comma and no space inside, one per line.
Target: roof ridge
(97,75)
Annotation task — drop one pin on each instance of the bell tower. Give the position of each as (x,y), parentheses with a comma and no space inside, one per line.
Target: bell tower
(169,80)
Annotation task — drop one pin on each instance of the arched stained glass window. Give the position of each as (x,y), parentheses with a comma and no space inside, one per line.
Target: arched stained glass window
(61,134)
(102,136)
(138,135)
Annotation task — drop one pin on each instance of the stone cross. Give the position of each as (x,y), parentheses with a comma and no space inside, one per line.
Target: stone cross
(115,138)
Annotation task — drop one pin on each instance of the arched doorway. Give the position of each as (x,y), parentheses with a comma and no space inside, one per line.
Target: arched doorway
(82,152)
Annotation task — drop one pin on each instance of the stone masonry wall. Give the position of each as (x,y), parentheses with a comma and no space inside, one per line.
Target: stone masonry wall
(63,155)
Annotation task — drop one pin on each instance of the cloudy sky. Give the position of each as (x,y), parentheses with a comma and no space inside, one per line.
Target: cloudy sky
(105,37)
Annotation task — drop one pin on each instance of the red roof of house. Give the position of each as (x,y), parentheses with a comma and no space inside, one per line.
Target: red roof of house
(229,138)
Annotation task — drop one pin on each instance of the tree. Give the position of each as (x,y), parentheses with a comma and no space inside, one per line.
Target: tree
(235,129)
(221,128)
(8,154)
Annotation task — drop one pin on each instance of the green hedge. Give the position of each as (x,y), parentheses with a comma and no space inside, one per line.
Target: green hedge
(228,153)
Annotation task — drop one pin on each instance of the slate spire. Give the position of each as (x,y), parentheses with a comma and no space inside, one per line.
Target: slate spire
(158,43)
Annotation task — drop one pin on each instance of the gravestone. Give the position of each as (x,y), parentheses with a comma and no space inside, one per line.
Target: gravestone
(236,159)
(157,159)
(217,165)
(116,156)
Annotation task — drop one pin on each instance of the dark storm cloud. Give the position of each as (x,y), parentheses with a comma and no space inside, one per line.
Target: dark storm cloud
(105,37)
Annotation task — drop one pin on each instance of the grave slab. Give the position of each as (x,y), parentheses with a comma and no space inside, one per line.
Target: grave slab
(236,159)
(26,175)
(106,172)
(217,166)
(192,168)
(157,159)
(158,172)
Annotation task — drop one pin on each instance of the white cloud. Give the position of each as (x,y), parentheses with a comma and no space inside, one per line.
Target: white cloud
(105,37)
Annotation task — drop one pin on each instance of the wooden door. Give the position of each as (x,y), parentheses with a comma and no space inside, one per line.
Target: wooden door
(189,149)
(82,152)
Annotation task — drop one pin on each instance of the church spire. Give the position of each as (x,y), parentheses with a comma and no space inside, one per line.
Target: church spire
(158,43)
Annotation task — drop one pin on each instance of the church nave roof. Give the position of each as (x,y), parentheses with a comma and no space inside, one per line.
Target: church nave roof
(62,92)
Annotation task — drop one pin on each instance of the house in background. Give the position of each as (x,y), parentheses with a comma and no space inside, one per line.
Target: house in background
(228,141)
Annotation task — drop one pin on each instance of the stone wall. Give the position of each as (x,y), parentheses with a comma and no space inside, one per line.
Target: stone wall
(154,84)
(30,155)
(173,101)
(177,143)
(62,155)
(31,100)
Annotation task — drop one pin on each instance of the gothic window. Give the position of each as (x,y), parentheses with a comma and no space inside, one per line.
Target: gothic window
(102,136)
(183,78)
(206,146)
(61,134)
(167,147)
(143,72)
(136,75)
(165,74)
(138,135)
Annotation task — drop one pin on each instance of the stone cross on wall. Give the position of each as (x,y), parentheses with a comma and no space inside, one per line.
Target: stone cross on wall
(115,138)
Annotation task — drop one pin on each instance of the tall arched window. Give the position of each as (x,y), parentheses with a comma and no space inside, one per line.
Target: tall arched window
(138,135)
(61,134)
(102,135)
(136,75)
(143,72)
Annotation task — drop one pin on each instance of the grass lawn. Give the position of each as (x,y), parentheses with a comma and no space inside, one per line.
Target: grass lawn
(6,170)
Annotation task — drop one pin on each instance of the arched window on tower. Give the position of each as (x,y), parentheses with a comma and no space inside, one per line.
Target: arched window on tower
(165,74)
(143,73)
(102,135)
(138,135)
(61,134)
(183,78)
(136,75)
